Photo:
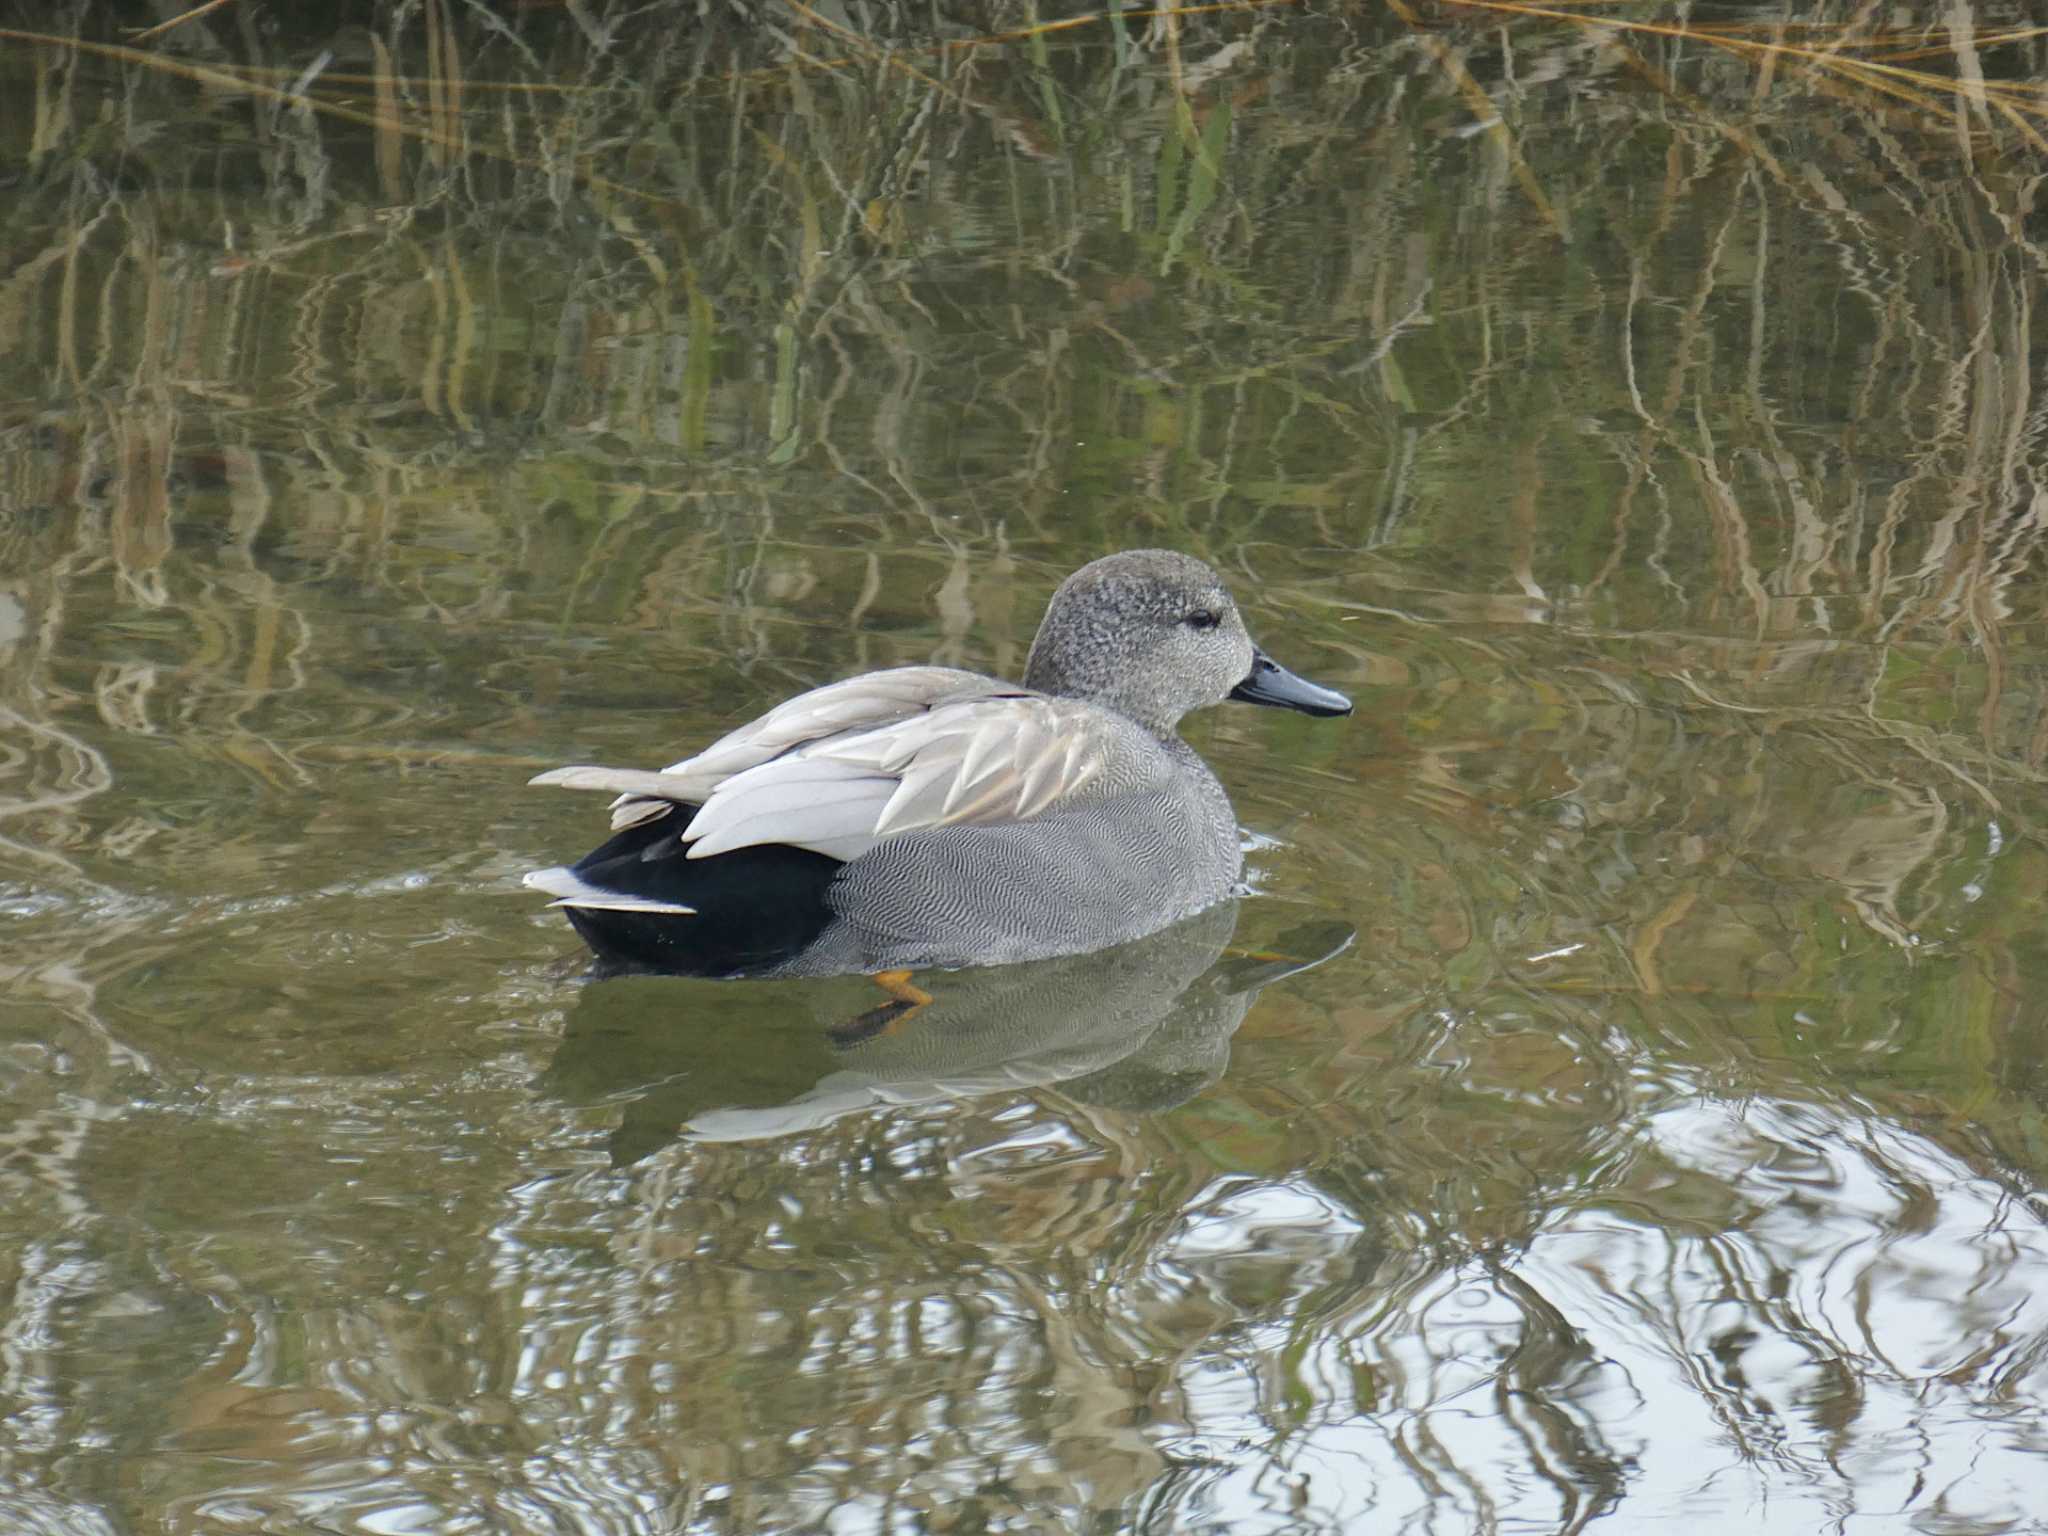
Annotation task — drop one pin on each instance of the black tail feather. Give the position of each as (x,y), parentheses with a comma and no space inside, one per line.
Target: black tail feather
(754,907)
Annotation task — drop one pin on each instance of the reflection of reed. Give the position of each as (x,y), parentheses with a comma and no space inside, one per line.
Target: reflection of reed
(1833,513)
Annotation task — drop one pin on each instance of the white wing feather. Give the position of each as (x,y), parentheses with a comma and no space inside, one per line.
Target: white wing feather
(972,760)
(855,704)
(842,767)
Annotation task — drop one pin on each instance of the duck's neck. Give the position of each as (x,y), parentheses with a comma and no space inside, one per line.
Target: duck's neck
(1093,682)
(1096,691)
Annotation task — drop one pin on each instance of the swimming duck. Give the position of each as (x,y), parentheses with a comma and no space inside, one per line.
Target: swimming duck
(928,816)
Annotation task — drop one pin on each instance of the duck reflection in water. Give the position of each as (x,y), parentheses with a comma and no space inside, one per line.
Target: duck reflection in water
(1058,838)
(1140,1027)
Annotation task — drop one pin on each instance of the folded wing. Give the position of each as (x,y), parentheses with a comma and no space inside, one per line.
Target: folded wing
(839,769)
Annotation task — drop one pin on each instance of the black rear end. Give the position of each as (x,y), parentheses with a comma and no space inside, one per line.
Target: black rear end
(755,908)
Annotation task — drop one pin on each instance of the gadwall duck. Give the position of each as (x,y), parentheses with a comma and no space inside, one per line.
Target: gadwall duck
(926,816)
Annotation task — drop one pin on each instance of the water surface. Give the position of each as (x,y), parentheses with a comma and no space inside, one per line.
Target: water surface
(1646,441)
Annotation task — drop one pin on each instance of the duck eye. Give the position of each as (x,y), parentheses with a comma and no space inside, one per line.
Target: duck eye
(1202,618)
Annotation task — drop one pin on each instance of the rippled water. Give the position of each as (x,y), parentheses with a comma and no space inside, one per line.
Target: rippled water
(1617,1100)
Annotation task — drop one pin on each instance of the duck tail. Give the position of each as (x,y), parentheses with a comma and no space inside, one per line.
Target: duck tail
(571,890)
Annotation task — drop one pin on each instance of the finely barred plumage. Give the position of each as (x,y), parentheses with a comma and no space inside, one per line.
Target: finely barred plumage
(929,816)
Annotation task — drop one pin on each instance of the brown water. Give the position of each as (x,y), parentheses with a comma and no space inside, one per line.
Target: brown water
(1648,442)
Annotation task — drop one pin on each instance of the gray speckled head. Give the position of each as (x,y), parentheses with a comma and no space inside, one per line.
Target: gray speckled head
(1149,633)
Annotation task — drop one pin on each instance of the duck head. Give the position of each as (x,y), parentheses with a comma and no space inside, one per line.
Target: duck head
(1153,634)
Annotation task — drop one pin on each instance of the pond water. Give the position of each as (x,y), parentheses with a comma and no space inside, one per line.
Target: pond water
(1618,1099)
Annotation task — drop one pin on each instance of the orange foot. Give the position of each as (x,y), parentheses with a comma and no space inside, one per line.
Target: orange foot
(904,1002)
